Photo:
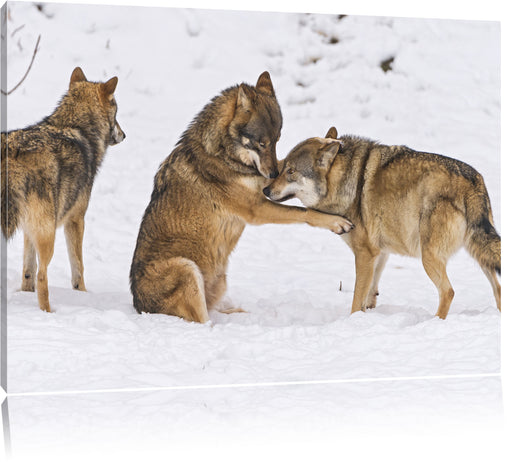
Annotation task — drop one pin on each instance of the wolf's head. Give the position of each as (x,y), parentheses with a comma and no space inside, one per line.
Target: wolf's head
(94,104)
(256,126)
(304,171)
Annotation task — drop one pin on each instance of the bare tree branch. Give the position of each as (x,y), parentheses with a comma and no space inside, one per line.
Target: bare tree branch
(42,9)
(17,29)
(28,69)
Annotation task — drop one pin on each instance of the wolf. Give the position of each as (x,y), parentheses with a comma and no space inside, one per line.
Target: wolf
(204,194)
(400,201)
(48,171)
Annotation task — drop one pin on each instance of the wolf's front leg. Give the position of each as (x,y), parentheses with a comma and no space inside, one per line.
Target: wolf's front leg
(371,299)
(74,232)
(335,223)
(365,266)
(270,212)
(28,282)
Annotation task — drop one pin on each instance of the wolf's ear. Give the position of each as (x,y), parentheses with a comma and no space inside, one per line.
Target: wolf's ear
(110,86)
(332,133)
(77,76)
(264,84)
(243,100)
(327,155)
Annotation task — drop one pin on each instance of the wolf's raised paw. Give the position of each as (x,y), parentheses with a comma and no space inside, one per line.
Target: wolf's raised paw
(343,226)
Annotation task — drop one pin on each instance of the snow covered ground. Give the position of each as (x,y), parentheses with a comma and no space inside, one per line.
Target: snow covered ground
(442,95)
(424,420)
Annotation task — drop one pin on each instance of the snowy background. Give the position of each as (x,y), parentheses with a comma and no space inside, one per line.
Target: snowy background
(442,95)
(424,420)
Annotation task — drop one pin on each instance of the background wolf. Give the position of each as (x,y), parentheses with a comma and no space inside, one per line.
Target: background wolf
(48,171)
(400,201)
(204,193)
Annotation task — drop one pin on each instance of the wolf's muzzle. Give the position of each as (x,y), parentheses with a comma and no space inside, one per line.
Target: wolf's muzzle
(117,135)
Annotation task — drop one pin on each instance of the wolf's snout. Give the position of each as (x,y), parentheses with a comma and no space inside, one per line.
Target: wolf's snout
(266,191)
(119,137)
(117,134)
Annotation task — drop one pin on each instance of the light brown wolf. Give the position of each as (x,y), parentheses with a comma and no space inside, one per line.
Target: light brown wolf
(48,171)
(204,194)
(400,201)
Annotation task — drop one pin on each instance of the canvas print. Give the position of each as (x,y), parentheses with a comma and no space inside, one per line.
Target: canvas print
(189,201)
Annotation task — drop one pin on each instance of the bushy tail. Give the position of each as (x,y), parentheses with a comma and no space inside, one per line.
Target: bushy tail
(484,245)
(482,241)
(9,202)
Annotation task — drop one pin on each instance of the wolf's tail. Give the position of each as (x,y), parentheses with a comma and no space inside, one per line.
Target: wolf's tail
(9,202)
(482,240)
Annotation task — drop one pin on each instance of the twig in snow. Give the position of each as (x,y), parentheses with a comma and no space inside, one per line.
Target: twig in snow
(41,8)
(17,29)
(28,69)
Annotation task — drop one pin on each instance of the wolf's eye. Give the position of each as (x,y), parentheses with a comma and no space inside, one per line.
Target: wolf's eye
(290,171)
(262,144)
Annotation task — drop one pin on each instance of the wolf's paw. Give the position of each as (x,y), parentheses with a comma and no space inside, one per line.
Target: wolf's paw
(45,307)
(28,283)
(28,286)
(78,285)
(230,310)
(371,301)
(226,306)
(341,225)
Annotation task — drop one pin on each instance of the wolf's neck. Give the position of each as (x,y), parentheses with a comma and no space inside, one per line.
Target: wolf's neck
(92,134)
(346,181)
(68,115)
(211,125)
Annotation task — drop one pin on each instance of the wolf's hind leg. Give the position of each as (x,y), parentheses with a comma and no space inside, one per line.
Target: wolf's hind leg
(441,234)
(176,287)
(28,282)
(496,286)
(44,243)
(74,232)
(435,267)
